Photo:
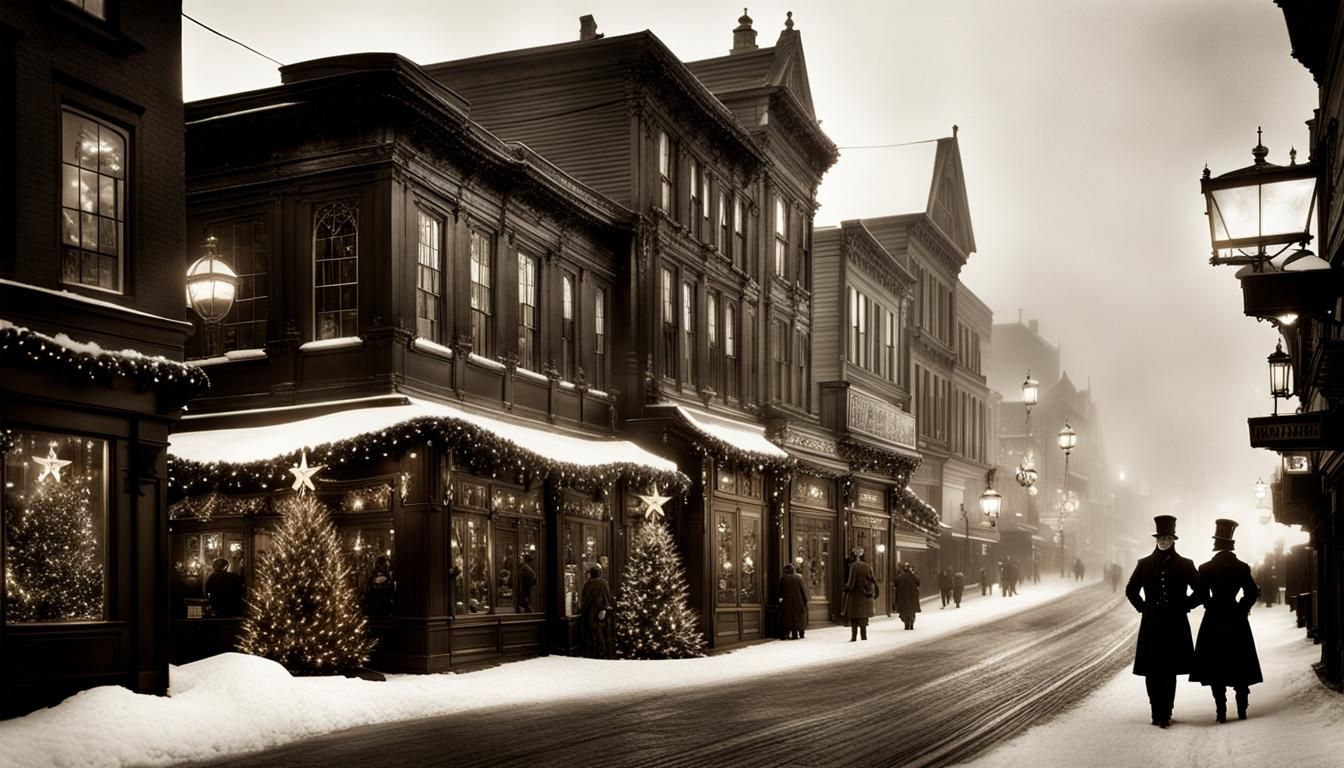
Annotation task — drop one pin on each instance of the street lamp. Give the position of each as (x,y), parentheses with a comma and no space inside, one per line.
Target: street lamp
(1261,490)
(1280,374)
(991,502)
(1026,470)
(211,287)
(966,518)
(1068,440)
(1259,208)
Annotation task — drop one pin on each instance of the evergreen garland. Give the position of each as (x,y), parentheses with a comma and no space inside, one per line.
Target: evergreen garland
(53,567)
(303,612)
(653,619)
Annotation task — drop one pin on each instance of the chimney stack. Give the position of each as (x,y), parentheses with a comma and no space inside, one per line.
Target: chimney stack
(588,28)
(744,37)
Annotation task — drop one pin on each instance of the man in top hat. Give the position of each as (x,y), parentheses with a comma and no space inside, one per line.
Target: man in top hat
(1171,587)
(1225,651)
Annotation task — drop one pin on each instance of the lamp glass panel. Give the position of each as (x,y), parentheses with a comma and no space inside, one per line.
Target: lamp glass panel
(1030,392)
(1279,378)
(1263,210)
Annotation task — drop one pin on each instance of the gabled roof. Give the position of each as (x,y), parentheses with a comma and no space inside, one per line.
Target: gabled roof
(782,65)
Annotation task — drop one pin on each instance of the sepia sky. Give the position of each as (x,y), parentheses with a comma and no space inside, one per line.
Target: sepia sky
(1084,125)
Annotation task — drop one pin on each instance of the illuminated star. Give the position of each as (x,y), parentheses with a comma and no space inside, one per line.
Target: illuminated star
(653,505)
(303,474)
(51,465)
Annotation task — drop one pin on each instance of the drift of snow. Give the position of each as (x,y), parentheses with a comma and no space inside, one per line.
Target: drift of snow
(232,703)
(1292,720)
(88,347)
(337,343)
(745,437)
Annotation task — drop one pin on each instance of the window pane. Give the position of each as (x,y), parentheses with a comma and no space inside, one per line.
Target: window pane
(727,560)
(55,518)
(336,269)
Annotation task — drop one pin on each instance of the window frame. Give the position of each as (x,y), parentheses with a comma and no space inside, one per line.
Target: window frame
(600,337)
(568,325)
(434,278)
(122,202)
(665,172)
(529,335)
(482,263)
(781,239)
(352,207)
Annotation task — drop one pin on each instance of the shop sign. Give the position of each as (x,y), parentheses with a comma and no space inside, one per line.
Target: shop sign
(1293,431)
(876,418)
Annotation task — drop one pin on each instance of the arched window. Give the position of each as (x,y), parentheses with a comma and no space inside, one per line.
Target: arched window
(336,271)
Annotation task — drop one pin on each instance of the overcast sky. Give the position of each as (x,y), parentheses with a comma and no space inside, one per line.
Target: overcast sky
(1084,125)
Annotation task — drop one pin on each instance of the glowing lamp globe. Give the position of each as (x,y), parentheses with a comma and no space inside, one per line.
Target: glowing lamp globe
(1031,391)
(1254,210)
(1068,439)
(991,503)
(211,285)
(1261,490)
(1280,372)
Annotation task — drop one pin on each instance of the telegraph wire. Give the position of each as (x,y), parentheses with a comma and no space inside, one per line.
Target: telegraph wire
(211,29)
(888,146)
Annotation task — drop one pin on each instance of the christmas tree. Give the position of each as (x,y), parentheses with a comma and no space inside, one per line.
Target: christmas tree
(53,568)
(653,620)
(303,612)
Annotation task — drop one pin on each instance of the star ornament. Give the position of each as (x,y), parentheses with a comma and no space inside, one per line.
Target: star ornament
(653,505)
(51,465)
(303,474)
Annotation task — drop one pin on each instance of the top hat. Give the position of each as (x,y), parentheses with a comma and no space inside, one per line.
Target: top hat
(858,551)
(1166,526)
(1222,533)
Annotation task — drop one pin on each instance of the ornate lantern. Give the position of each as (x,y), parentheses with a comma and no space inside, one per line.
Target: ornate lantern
(1257,212)
(211,285)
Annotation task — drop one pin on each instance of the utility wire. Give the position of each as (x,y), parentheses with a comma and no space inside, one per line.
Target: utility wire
(887,146)
(208,28)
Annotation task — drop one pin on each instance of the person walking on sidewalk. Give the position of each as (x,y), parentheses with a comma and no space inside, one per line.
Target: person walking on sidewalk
(792,604)
(958,587)
(907,595)
(945,585)
(984,583)
(861,592)
(1170,586)
(1225,649)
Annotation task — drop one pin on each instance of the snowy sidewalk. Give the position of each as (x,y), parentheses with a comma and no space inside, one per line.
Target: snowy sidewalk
(231,704)
(1292,720)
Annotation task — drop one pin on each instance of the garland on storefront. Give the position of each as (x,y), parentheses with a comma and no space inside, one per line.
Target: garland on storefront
(914,510)
(476,450)
(178,381)
(728,455)
(212,505)
(863,457)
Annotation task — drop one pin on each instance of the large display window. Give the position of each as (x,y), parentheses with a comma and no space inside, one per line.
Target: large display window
(812,554)
(55,520)
(737,544)
(497,551)
(585,542)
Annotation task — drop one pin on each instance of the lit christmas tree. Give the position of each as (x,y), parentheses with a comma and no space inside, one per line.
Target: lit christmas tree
(653,620)
(303,612)
(53,569)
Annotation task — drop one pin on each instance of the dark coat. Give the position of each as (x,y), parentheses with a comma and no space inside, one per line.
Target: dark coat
(1166,580)
(907,593)
(596,604)
(958,584)
(944,581)
(1225,651)
(860,592)
(225,590)
(793,602)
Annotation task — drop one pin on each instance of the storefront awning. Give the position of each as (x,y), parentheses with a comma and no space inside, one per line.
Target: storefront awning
(352,433)
(738,436)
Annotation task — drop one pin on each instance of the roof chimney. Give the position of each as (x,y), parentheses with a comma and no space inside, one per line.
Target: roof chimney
(744,37)
(588,28)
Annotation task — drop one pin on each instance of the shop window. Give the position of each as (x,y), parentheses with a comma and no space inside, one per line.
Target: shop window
(471,554)
(55,525)
(737,546)
(517,565)
(725,530)
(336,271)
(498,556)
(369,550)
(93,201)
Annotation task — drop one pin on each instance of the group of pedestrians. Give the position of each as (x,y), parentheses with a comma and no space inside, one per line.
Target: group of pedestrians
(1164,587)
(951,586)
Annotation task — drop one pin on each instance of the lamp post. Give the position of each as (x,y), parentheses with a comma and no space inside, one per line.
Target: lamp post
(1260,208)
(966,519)
(1068,440)
(1280,375)
(211,287)
(1026,470)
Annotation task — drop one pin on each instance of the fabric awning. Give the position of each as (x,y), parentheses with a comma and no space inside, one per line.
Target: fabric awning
(738,435)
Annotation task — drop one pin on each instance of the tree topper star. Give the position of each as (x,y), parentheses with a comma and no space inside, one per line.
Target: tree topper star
(51,465)
(303,474)
(653,505)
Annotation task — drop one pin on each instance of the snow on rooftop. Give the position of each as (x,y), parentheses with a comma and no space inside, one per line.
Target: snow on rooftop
(233,704)
(886,181)
(738,434)
(90,300)
(249,444)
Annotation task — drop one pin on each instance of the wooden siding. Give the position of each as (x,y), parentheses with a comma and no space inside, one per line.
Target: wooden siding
(829,307)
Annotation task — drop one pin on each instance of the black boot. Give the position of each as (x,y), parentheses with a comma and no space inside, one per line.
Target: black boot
(1220,703)
(863,632)
(1242,701)
(853,634)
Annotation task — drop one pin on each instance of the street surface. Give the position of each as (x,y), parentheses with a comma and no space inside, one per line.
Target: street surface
(926,704)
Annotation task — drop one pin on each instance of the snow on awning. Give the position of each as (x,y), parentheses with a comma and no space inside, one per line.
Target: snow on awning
(349,434)
(736,435)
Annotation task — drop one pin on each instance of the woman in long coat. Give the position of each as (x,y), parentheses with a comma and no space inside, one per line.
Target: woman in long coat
(1225,650)
(792,603)
(907,595)
(860,596)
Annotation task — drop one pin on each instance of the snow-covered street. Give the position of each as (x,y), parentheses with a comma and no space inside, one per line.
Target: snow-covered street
(1292,720)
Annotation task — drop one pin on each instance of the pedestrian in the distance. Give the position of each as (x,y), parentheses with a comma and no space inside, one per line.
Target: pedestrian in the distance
(1271,586)
(907,595)
(1010,576)
(945,585)
(958,587)
(984,583)
(1225,651)
(527,581)
(1035,570)
(860,596)
(595,605)
(1170,587)
(792,604)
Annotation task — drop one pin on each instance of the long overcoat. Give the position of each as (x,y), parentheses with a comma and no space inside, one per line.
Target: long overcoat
(860,592)
(793,602)
(1225,651)
(1171,587)
(907,594)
